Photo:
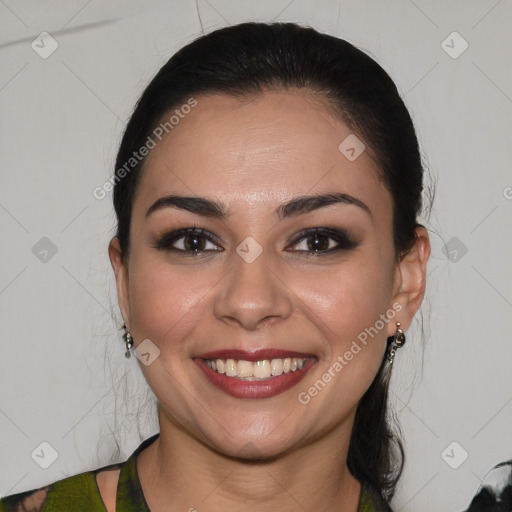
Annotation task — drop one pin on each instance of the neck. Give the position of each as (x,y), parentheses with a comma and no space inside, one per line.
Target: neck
(178,472)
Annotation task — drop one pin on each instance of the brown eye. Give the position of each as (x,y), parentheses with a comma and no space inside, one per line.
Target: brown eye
(194,242)
(324,241)
(318,242)
(190,240)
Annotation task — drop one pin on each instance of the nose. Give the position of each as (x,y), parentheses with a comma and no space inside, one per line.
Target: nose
(253,294)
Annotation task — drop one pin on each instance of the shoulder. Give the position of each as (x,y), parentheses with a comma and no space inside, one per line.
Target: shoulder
(28,501)
(78,493)
(371,500)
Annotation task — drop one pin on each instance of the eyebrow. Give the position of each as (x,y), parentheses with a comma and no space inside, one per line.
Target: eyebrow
(214,209)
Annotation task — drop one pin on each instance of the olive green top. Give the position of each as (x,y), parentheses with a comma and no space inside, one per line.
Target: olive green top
(80,493)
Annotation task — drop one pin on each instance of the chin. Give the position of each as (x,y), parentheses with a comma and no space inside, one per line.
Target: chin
(254,441)
(256,449)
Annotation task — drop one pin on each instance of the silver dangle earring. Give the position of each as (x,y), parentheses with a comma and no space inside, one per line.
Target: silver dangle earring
(128,339)
(396,341)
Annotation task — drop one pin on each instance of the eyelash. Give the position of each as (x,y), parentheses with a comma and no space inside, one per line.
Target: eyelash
(164,243)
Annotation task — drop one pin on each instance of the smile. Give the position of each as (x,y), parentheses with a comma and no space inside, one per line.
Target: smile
(258,370)
(256,375)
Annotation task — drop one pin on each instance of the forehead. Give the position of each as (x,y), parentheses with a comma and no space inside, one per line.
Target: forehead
(254,150)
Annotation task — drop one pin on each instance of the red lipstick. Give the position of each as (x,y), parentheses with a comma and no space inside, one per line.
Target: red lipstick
(254,389)
(255,355)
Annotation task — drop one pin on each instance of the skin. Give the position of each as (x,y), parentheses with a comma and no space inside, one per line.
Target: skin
(215,451)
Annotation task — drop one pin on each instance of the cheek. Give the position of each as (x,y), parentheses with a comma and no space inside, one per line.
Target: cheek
(165,300)
(349,297)
(347,303)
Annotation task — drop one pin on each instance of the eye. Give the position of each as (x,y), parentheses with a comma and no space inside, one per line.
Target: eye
(324,240)
(188,240)
(194,241)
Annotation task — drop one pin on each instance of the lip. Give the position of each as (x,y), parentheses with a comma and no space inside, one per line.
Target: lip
(255,355)
(254,389)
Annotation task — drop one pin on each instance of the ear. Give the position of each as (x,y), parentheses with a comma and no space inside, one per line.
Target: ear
(121,273)
(410,281)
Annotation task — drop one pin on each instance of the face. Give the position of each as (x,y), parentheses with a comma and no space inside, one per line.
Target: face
(311,285)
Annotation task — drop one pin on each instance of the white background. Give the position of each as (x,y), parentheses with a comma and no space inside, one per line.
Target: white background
(62,362)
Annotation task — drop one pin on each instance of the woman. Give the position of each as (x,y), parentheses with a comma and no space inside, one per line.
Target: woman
(268,261)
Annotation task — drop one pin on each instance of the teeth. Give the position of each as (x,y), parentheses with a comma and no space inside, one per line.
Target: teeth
(276,367)
(231,368)
(262,369)
(258,370)
(244,369)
